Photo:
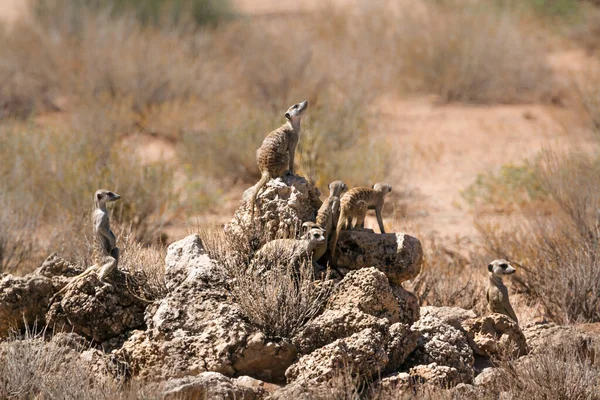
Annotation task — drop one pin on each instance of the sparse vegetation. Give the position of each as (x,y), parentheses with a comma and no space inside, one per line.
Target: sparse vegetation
(558,253)
(280,300)
(40,367)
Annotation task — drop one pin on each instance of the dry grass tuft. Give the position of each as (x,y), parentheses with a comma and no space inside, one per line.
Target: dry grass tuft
(279,301)
(449,278)
(46,368)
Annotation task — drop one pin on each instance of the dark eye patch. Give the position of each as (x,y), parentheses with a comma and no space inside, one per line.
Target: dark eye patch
(503,266)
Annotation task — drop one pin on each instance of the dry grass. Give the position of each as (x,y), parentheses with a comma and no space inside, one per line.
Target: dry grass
(50,181)
(279,301)
(39,367)
(451,276)
(558,253)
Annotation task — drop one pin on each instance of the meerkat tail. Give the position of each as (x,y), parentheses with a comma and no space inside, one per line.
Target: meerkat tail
(338,228)
(261,183)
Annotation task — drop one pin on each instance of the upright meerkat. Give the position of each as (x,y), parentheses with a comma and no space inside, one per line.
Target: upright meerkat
(354,205)
(276,154)
(105,253)
(497,293)
(291,250)
(327,216)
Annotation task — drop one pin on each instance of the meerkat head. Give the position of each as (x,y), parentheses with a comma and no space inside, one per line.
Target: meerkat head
(382,187)
(500,268)
(296,112)
(336,188)
(308,225)
(316,234)
(103,196)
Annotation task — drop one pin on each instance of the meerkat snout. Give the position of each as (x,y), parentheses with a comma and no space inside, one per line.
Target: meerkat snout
(501,267)
(296,111)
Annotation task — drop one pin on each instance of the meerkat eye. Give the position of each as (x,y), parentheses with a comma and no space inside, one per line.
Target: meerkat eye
(503,266)
(295,106)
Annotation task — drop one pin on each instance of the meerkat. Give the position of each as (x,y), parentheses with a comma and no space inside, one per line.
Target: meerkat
(354,205)
(105,253)
(275,156)
(497,293)
(327,216)
(291,250)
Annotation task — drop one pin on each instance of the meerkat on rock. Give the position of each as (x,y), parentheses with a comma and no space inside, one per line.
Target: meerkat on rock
(106,253)
(327,216)
(275,156)
(289,250)
(497,293)
(354,205)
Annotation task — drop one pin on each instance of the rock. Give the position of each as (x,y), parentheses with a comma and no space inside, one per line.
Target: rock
(434,374)
(206,386)
(408,304)
(493,335)
(333,325)
(187,260)
(453,316)
(489,377)
(198,328)
(445,346)
(542,336)
(302,390)
(362,354)
(397,255)
(402,342)
(390,386)
(23,300)
(369,291)
(96,310)
(281,207)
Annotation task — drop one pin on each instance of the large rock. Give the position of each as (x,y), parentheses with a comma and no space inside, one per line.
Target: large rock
(453,316)
(434,374)
(397,255)
(364,300)
(96,310)
(495,335)
(333,325)
(402,341)
(281,207)
(207,386)
(443,345)
(24,300)
(546,335)
(408,303)
(362,354)
(197,327)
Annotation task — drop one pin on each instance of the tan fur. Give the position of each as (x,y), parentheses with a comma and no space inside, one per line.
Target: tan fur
(105,253)
(497,293)
(327,216)
(276,154)
(289,250)
(354,205)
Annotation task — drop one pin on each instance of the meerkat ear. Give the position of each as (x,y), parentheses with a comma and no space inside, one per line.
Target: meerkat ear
(490,267)
(99,196)
(288,116)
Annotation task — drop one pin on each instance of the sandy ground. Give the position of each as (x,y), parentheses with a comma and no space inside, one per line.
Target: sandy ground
(440,149)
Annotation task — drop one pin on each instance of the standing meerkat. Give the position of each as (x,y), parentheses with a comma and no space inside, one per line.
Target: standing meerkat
(105,253)
(354,205)
(290,250)
(497,293)
(276,154)
(327,216)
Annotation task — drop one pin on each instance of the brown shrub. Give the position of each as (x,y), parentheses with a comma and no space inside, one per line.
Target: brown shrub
(279,301)
(449,278)
(558,253)
(40,367)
